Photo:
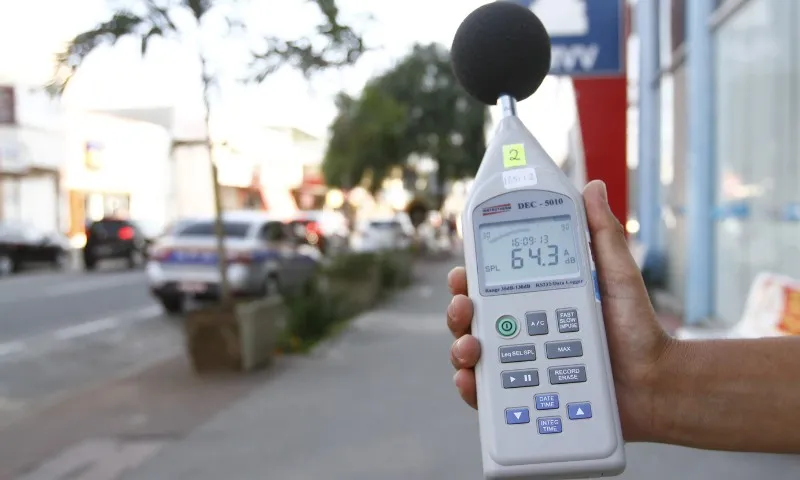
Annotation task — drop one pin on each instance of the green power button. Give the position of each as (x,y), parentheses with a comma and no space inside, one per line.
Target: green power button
(507,326)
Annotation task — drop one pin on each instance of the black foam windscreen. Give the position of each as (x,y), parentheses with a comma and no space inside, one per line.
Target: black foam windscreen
(501,48)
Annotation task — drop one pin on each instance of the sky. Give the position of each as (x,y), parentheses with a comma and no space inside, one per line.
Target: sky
(118,77)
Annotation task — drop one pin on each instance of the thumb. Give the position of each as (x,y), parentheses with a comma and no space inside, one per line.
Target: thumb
(618,275)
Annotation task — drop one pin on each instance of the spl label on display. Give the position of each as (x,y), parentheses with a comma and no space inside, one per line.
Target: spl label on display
(520,177)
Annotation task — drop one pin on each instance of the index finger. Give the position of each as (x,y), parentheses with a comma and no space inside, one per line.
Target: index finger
(457,281)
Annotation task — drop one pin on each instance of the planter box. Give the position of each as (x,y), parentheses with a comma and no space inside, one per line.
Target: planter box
(260,325)
(238,337)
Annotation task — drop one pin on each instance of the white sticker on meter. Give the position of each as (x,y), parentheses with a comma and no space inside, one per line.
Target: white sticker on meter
(519,177)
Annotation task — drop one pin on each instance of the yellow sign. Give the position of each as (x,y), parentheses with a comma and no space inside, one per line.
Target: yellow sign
(790,318)
(514,155)
(93,156)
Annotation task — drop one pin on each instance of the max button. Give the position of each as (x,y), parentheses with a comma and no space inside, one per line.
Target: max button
(564,349)
(517,353)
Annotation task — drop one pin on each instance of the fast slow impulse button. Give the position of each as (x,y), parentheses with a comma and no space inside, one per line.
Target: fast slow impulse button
(567,319)
(507,326)
(570,374)
(517,353)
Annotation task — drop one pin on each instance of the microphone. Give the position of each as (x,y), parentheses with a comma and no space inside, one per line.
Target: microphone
(501,49)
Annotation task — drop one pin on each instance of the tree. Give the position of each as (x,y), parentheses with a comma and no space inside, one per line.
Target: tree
(158,20)
(366,141)
(440,120)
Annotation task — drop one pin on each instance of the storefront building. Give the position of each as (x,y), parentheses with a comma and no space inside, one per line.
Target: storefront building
(115,167)
(726,84)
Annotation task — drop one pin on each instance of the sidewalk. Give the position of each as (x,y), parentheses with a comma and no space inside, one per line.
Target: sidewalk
(379,404)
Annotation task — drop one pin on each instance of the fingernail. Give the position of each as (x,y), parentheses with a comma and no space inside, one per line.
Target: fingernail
(455,377)
(451,309)
(457,350)
(604,191)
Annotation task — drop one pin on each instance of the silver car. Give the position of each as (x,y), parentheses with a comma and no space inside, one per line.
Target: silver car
(263,252)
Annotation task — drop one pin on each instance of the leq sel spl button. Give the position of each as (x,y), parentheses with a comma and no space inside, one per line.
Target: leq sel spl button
(507,326)
(517,353)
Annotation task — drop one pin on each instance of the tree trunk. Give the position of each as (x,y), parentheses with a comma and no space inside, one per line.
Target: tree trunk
(219,233)
(441,181)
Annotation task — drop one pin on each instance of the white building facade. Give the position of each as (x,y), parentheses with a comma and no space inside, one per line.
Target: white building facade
(32,154)
(60,168)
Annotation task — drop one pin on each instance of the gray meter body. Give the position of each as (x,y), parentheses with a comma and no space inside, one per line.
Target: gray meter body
(546,401)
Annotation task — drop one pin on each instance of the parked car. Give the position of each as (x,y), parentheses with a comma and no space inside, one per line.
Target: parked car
(327,230)
(382,233)
(23,245)
(263,253)
(113,238)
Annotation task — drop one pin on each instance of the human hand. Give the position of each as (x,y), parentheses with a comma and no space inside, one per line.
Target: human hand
(636,340)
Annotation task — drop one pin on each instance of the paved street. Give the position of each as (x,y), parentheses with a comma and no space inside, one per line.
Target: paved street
(65,331)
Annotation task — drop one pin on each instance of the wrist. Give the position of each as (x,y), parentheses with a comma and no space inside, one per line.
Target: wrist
(660,386)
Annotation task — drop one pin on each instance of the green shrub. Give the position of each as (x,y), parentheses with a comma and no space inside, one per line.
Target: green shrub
(311,316)
(395,269)
(341,289)
(351,266)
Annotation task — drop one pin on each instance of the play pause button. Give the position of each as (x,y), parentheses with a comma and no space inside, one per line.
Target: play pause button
(520,378)
(515,416)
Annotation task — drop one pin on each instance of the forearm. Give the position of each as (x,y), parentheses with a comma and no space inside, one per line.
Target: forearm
(741,395)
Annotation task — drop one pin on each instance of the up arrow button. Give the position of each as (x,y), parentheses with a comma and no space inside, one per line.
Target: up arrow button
(579,411)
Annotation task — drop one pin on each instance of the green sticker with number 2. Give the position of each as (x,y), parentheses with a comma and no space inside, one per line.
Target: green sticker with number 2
(514,155)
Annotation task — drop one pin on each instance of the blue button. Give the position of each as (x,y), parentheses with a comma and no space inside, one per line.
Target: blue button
(515,416)
(579,411)
(546,401)
(549,425)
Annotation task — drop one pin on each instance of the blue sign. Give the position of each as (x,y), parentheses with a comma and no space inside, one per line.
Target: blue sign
(588,36)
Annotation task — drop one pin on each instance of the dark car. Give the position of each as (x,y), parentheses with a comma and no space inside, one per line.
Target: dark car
(114,239)
(23,245)
(326,230)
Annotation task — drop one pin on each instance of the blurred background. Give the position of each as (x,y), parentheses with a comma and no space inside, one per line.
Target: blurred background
(324,151)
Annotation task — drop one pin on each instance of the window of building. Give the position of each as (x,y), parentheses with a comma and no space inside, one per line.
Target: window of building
(757,149)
